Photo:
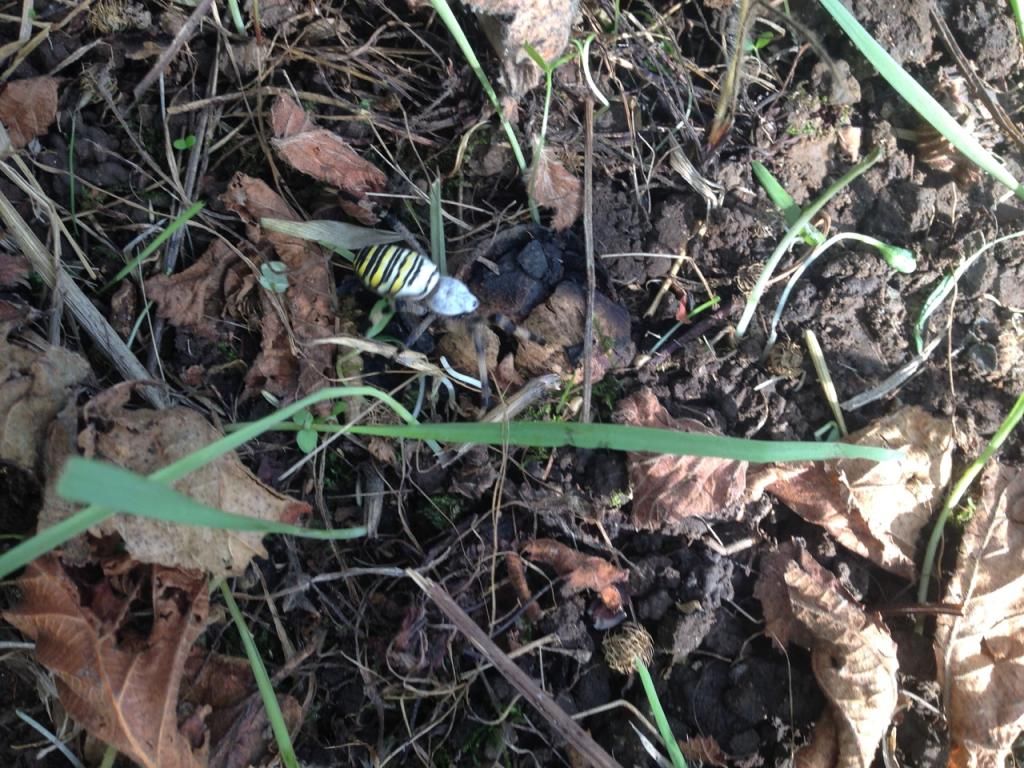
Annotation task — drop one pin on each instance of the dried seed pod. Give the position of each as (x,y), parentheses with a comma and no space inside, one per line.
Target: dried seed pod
(632,641)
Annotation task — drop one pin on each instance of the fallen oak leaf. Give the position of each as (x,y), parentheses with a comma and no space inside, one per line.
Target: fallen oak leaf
(122,686)
(877,510)
(320,153)
(853,655)
(580,571)
(667,490)
(144,441)
(28,108)
(980,654)
(552,186)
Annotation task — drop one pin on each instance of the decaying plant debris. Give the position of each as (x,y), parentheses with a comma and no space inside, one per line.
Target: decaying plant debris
(466,627)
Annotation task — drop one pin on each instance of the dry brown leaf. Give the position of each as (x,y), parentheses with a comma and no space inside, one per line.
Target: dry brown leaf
(544,24)
(14,269)
(120,684)
(310,301)
(852,654)
(876,509)
(703,750)
(36,380)
(581,571)
(28,108)
(552,186)
(145,440)
(224,687)
(320,153)
(669,489)
(980,655)
(194,299)
(823,748)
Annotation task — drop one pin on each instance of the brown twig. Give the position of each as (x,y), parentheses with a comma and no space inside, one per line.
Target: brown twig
(171,50)
(556,717)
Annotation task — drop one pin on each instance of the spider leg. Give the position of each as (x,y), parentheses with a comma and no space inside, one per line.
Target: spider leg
(480,347)
(420,328)
(509,326)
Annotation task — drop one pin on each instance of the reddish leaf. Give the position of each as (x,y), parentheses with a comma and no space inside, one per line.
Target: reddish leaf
(552,186)
(122,687)
(28,108)
(581,571)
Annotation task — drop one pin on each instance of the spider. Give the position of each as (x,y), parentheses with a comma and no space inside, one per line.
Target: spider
(410,277)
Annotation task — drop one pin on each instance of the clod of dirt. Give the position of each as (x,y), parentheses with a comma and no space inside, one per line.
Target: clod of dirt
(320,153)
(876,509)
(979,653)
(28,108)
(145,441)
(543,24)
(904,30)
(117,678)
(528,264)
(560,322)
(852,654)
(36,381)
(552,186)
(988,38)
(580,571)
(669,489)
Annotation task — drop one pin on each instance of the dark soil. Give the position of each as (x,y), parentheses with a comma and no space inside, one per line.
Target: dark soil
(391,681)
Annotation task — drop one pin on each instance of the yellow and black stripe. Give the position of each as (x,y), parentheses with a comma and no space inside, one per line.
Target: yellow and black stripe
(397,272)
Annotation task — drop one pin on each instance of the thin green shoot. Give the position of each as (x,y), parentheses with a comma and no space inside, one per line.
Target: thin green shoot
(53,537)
(1018,16)
(946,285)
(900,259)
(437,242)
(669,739)
(138,323)
(922,101)
(794,232)
(584,49)
(704,306)
(957,492)
(339,237)
(109,757)
(236,15)
(782,200)
(380,315)
(180,221)
(263,682)
(444,11)
(825,379)
(619,437)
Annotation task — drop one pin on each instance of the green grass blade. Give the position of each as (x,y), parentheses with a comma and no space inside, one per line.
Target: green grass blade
(1018,16)
(794,232)
(785,203)
(620,437)
(88,481)
(266,687)
(918,98)
(182,219)
(669,739)
(437,243)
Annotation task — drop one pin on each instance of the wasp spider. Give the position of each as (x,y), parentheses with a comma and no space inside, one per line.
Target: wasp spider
(410,277)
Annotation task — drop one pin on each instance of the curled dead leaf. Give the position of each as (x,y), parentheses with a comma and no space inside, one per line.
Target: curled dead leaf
(145,440)
(852,654)
(980,655)
(552,186)
(875,509)
(580,571)
(320,153)
(117,676)
(669,489)
(28,108)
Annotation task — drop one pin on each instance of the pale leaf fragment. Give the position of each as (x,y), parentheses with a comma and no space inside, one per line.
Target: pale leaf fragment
(552,186)
(980,654)
(876,509)
(145,440)
(28,108)
(669,489)
(120,685)
(320,153)
(852,654)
